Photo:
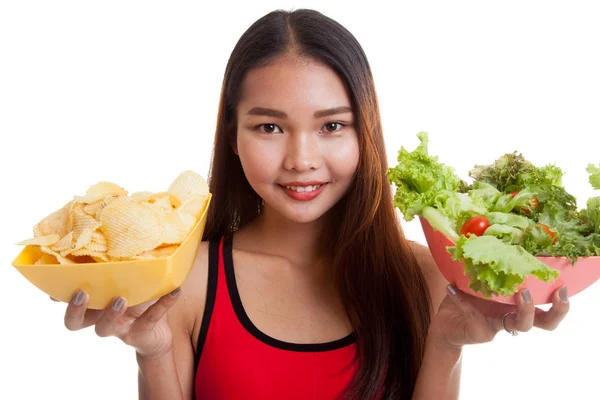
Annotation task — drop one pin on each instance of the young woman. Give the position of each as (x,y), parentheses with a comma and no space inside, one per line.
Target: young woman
(305,286)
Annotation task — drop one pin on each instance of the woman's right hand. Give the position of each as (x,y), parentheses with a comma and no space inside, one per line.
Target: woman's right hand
(144,326)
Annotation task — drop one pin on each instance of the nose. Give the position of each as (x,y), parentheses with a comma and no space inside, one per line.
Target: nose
(303,152)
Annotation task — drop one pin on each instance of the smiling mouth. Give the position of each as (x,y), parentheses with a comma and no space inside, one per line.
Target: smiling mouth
(303,189)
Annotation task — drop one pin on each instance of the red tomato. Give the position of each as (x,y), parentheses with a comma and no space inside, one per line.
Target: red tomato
(476,226)
(548,231)
(533,203)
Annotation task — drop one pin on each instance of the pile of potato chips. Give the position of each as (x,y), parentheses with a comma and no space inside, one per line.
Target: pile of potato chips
(108,224)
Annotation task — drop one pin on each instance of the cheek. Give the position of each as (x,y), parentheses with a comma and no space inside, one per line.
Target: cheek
(343,158)
(258,161)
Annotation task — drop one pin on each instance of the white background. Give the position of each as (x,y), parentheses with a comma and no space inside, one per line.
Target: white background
(127,92)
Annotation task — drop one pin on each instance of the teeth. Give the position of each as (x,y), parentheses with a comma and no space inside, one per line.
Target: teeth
(302,189)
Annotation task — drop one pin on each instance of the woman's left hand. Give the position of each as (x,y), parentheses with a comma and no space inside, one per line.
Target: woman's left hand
(464,319)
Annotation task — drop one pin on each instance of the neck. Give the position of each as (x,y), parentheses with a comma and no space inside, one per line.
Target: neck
(300,243)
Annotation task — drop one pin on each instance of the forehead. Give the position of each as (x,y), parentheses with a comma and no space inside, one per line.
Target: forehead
(293,85)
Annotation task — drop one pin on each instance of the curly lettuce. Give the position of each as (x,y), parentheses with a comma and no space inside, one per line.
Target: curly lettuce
(529,212)
(497,268)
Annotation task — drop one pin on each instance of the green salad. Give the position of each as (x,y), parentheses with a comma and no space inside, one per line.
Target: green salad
(512,212)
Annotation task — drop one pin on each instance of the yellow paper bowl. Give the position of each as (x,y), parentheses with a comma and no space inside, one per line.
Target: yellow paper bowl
(138,281)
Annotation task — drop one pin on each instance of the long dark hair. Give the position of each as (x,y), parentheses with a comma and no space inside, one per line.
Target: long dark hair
(375,272)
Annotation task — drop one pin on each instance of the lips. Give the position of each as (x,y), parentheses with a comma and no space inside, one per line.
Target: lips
(303,191)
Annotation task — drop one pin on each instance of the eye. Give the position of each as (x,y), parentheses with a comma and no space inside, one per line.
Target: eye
(268,128)
(332,127)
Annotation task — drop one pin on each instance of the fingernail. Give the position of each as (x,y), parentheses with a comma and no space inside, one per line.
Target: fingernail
(526,295)
(562,293)
(451,290)
(176,292)
(79,297)
(117,303)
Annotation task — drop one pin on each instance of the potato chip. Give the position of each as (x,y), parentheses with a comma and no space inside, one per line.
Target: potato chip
(188,184)
(142,196)
(107,224)
(87,252)
(163,203)
(194,205)
(160,208)
(157,253)
(59,258)
(63,244)
(82,222)
(99,238)
(47,240)
(97,247)
(58,222)
(46,259)
(94,208)
(130,228)
(177,226)
(84,239)
(101,190)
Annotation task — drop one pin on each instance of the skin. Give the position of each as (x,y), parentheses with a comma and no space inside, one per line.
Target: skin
(275,256)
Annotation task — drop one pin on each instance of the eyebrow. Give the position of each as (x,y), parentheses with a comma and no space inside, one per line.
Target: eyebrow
(280,114)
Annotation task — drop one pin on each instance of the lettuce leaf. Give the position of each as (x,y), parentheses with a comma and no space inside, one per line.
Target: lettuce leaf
(498,268)
(504,173)
(594,175)
(590,216)
(421,180)
(510,219)
(506,233)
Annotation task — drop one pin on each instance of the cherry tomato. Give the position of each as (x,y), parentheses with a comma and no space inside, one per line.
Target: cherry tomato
(533,203)
(476,226)
(548,231)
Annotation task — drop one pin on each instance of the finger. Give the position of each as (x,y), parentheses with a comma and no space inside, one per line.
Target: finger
(108,323)
(77,316)
(53,299)
(522,319)
(478,329)
(156,311)
(549,320)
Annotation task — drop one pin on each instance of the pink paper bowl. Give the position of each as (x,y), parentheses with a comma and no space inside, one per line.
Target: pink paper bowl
(578,277)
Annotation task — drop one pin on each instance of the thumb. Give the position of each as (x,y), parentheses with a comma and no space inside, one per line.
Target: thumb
(477,326)
(460,300)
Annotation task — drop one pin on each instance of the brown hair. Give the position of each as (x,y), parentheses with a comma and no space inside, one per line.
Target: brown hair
(376,274)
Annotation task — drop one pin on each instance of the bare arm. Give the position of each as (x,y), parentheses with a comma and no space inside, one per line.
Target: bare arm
(439,376)
(459,319)
(158,378)
(171,376)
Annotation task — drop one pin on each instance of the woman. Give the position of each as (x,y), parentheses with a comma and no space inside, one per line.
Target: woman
(305,286)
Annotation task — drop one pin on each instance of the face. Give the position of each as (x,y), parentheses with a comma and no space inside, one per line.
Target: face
(296,138)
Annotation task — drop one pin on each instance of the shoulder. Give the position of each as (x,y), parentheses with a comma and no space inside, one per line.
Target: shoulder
(423,257)
(436,282)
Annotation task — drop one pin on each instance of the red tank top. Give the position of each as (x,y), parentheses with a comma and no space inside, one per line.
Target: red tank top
(235,360)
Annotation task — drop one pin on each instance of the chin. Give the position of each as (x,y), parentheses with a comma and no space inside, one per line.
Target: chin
(300,214)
